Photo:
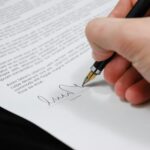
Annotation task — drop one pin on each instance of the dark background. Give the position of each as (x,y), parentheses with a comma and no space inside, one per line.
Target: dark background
(18,134)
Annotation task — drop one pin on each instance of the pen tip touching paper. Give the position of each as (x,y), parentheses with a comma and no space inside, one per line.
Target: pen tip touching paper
(88,78)
(84,82)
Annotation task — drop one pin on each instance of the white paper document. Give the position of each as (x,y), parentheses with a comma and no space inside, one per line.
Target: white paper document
(44,57)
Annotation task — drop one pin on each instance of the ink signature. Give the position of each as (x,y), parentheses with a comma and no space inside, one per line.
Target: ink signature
(70,92)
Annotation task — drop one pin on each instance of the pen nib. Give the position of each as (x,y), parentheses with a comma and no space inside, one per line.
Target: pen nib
(89,77)
(85,81)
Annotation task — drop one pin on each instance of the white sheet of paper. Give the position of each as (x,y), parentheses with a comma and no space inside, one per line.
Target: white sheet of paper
(44,57)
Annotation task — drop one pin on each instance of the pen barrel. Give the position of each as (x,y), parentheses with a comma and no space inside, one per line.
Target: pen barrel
(140,9)
(101,65)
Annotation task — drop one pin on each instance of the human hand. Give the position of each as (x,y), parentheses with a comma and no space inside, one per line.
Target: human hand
(129,71)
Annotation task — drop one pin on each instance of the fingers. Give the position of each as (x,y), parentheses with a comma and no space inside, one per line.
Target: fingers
(127,37)
(130,77)
(103,34)
(128,83)
(138,93)
(122,8)
(115,69)
(100,54)
(118,35)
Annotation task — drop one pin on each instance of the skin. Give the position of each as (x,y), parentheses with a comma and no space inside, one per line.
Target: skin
(129,71)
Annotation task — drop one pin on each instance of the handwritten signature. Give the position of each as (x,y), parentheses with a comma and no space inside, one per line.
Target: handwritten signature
(70,92)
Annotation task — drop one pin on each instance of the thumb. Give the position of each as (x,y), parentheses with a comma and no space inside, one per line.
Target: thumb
(130,38)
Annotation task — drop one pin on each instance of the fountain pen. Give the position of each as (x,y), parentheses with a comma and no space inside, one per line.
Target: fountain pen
(138,10)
